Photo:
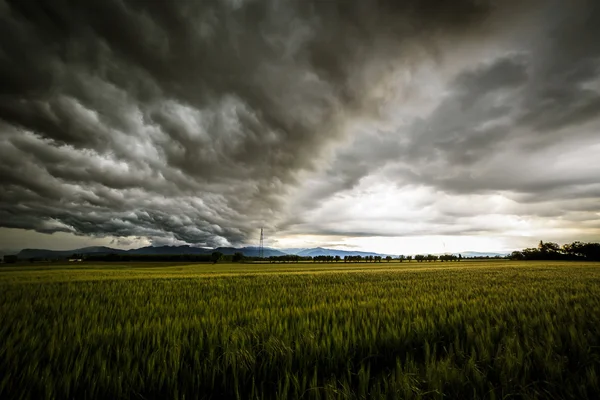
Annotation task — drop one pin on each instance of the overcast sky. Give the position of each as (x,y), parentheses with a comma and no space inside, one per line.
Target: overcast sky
(392,126)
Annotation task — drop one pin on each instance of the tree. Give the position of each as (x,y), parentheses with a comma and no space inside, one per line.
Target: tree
(548,248)
(388,258)
(430,257)
(552,251)
(238,257)
(573,249)
(591,251)
(216,257)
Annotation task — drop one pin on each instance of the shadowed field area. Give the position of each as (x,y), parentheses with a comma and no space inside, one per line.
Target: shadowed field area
(500,329)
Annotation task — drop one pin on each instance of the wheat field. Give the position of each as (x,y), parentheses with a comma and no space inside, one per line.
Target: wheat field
(497,330)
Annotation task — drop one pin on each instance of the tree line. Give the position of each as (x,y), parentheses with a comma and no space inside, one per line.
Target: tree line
(442,258)
(552,251)
(544,251)
(217,257)
(367,259)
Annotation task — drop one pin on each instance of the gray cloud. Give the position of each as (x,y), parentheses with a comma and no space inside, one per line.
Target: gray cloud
(496,129)
(521,124)
(197,122)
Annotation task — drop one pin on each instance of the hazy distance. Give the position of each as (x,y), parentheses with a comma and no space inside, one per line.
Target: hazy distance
(397,127)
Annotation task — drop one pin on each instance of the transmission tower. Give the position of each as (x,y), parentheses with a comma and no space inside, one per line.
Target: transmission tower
(261,246)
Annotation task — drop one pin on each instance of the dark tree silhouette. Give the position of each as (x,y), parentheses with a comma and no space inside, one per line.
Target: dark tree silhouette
(216,257)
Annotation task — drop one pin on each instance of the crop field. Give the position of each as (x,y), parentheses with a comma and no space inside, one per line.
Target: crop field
(497,330)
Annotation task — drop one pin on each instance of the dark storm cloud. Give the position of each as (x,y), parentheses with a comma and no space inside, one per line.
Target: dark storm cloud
(190,121)
(521,123)
(503,124)
(452,137)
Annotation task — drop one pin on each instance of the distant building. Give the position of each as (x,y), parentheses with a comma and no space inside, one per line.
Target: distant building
(11,259)
(75,259)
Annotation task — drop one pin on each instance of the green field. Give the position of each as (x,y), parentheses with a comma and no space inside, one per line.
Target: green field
(301,331)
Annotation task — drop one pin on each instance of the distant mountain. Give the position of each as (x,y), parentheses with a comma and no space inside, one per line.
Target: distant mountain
(169,250)
(43,253)
(293,250)
(98,250)
(149,250)
(481,254)
(175,250)
(253,252)
(319,251)
(250,251)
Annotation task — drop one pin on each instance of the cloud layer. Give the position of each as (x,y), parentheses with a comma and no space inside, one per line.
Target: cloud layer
(199,122)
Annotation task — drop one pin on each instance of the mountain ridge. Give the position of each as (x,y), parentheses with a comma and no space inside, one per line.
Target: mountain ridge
(148,250)
(248,251)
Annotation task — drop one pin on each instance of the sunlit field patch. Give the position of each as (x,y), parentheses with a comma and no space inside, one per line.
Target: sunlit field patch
(311,331)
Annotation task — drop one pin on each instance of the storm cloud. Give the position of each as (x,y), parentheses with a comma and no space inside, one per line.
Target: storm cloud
(199,122)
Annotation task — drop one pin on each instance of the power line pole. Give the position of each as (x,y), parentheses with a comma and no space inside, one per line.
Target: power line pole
(261,247)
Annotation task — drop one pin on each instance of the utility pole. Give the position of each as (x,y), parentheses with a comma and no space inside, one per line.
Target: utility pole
(261,247)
